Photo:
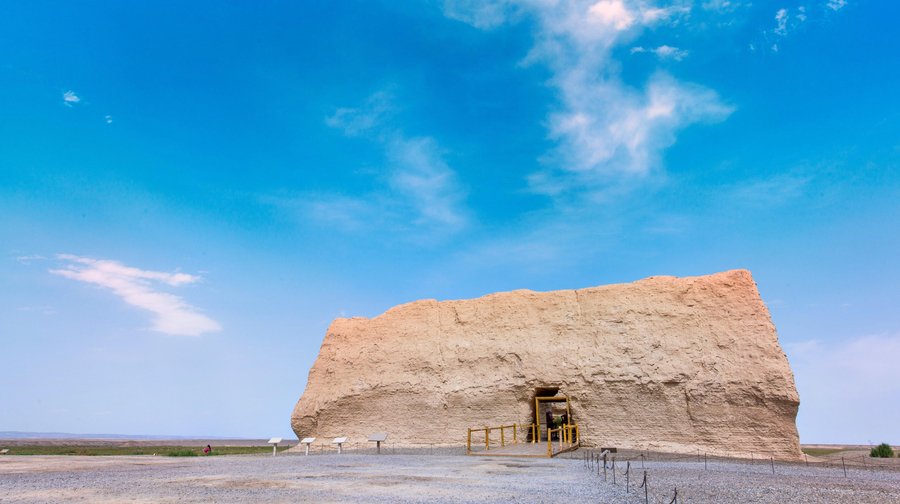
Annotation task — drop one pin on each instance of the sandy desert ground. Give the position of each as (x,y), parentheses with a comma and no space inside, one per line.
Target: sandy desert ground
(355,478)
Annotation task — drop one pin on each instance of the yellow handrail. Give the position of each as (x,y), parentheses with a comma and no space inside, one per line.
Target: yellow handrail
(487,435)
(564,436)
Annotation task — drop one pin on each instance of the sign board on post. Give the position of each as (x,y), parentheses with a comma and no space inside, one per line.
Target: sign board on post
(339,441)
(377,438)
(274,442)
(307,441)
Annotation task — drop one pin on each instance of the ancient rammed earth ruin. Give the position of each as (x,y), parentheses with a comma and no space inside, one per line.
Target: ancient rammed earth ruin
(665,363)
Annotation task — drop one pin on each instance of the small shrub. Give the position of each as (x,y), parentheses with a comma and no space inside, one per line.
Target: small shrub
(182,453)
(883,451)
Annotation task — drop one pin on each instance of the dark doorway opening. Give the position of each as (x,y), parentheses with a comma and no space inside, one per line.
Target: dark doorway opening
(548,407)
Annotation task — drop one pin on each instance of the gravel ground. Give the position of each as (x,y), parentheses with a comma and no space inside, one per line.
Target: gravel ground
(373,479)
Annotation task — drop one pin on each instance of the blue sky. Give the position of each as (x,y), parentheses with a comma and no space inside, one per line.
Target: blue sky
(191,191)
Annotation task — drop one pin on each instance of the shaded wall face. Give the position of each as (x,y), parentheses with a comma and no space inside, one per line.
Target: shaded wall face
(675,364)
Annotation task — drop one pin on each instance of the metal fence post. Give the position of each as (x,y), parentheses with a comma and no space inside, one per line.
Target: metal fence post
(773,464)
(705,467)
(646,497)
(844,466)
(627,478)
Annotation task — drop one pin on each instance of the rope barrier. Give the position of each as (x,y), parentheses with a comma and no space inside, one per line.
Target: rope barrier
(591,459)
(656,497)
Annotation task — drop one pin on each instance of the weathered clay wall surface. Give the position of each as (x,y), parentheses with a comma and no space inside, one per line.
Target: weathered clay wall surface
(664,363)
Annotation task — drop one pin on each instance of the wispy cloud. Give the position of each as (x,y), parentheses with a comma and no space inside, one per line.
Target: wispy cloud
(109,119)
(336,211)
(768,192)
(46,310)
(787,21)
(363,120)
(69,97)
(480,13)
(663,52)
(425,179)
(781,19)
(28,259)
(605,130)
(422,190)
(721,5)
(173,315)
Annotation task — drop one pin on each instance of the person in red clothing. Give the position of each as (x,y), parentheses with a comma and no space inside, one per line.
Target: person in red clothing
(207,449)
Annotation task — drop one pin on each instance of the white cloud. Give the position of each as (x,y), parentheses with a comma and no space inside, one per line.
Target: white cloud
(604,129)
(109,120)
(358,121)
(28,259)
(430,185)
(663,52)
(777,190)
(836,4)
(785,22)
(781,20)
(423,184)
(334,210)
(654,15)
(855,377)
(479,13)
(610,129)
(173,315)
(69,98)
(720,5)
(611,13)
(46,310)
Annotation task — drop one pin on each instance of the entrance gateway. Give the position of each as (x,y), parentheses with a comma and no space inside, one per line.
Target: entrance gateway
(553,431)
(547,416)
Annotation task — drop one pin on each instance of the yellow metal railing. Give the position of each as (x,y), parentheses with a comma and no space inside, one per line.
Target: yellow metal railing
(564,434)
(487,435)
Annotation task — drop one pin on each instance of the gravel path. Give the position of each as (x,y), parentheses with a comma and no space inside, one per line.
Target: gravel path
(419,478)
